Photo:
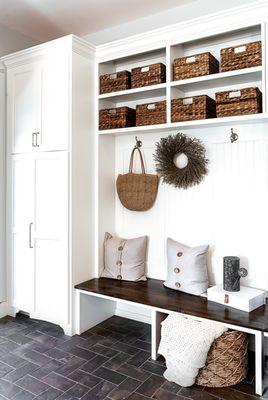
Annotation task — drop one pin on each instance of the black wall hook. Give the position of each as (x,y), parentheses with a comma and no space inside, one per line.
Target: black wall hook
(138,142)
(234,136)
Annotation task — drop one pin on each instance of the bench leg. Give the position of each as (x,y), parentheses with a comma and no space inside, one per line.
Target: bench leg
(258,363)
(91,311)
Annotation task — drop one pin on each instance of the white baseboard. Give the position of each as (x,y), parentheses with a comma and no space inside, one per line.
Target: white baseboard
(5,310)
(133,312)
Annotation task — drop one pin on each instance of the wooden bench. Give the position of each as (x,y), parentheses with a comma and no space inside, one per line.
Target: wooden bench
(97,298)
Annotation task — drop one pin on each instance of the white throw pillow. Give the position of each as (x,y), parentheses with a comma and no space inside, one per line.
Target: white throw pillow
(186,268)
(124,259)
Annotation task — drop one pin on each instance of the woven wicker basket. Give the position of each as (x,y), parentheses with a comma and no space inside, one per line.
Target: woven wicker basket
(242,56)
(149,75)
(196,65)
(120,117)
(137,192)
(192,108)
(115,82)
(151,114)
(238,102)
(227,361)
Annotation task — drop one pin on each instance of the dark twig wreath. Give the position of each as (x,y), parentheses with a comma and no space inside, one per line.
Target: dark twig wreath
(193,173)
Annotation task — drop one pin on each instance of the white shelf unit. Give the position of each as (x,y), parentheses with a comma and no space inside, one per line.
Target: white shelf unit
(114,145)
(209,84)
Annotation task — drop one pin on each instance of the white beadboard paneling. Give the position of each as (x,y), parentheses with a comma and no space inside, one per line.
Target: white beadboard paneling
(228,210)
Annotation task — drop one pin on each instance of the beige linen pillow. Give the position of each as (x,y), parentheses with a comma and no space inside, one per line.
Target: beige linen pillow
(186,268)
(124,259)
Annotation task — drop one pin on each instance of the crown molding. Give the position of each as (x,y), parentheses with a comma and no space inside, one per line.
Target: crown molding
(63,45)
(214,23)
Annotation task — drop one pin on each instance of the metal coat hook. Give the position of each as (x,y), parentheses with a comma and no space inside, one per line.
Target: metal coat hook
(138,142)
(234,136)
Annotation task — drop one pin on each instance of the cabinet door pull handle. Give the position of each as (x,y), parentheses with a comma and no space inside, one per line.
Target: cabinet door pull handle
(36,139)
(33,140)
(30,235)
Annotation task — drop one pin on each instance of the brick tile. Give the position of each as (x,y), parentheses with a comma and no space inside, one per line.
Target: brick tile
(140,344)
(71,366)
(90,341)
(154,368)
(134,372)
(109,375)
(36,358)
(52,366)
(94,363)
(18,373)
(100,391)
(76,392)
(150,386)
(125,348)
(84,378)
(18,338)
(5,369)
(104,350)
(124,389)
(137,396)
(138,359)
(58,381)
(8,389)
(13,360)
(116,361)
(32,384)
(59,355)
(171,387)
(24,395)
(162,394)
(49,394)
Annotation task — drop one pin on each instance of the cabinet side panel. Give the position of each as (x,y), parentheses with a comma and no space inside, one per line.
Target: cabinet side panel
(82,169)
(2,191)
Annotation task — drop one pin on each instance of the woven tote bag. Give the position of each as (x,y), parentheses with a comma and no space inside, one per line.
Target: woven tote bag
(137,192)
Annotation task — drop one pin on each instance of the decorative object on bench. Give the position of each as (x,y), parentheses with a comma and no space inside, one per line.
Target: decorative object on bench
(239,102)
(241,56)
(167,151)
(120,117)
(185,343)
(192,108)
(186,268)
(247,299)
(196,65)
(115,82)
(232,273)
(148,75)
(151,113)
(124,259)
(137,192)
(227,361)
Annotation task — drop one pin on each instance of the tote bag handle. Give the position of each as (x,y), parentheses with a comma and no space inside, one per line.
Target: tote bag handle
(132,161)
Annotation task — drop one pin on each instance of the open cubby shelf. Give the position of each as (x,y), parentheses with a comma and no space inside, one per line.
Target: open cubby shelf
(208,84)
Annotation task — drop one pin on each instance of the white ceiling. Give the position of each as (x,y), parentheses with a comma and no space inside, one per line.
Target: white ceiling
(48,19)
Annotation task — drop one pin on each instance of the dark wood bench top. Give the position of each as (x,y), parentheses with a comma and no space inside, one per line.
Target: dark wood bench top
(154,294)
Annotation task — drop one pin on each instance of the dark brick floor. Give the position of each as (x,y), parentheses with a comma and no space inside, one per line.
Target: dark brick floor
(109,362)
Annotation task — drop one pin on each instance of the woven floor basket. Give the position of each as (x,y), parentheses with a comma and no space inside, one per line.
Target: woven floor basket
(137,192)
(227,361)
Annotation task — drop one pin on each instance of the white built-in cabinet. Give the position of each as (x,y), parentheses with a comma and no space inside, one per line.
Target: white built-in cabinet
(2,188)
(50,127)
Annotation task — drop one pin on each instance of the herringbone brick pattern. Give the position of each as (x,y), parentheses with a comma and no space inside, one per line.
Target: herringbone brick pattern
(111,362)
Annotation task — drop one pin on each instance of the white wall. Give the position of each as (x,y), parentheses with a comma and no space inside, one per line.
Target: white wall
(11,41)
(196,9)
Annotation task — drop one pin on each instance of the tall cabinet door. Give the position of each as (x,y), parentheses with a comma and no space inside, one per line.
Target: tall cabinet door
(51,237)
(22,251)
(55,104)
(24,107)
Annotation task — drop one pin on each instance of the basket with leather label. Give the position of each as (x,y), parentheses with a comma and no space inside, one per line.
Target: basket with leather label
(137,192)
(192,108)
(120,117)
(148,75)
(239,102)
(115,82)
(193,66)
(243,56)
(151,113)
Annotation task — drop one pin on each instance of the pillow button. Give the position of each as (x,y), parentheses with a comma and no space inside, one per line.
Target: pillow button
(179,254)
(119,277)
(178,285)
(120,248)
(119,263)
(176,270)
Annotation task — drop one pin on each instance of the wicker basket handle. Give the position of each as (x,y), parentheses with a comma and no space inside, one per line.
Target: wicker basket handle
(132,160)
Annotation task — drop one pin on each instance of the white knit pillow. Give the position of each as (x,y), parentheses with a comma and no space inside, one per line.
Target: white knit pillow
(186,268)
(124,259)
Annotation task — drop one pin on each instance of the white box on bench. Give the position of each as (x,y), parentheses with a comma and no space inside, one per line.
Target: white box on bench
(247,299)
